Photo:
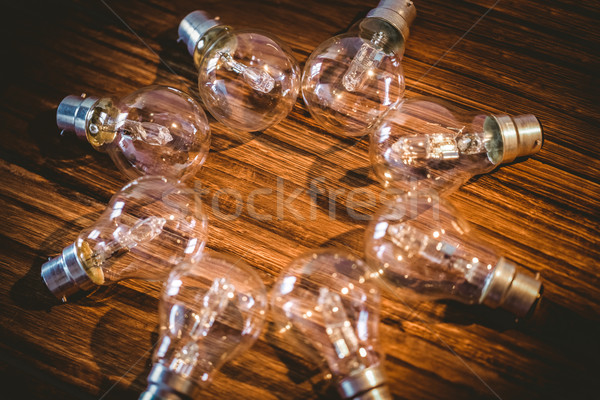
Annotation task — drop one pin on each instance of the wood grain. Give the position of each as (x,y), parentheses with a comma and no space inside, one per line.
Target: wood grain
(536,57)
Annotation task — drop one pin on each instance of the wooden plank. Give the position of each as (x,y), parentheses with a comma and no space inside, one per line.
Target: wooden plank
(522,57)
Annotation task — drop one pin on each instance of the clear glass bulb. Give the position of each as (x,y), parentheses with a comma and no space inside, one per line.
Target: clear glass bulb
(150,225)
(350,80)
(424,143)
(156,130)
(327,296)
(247,79)
(210,311)
(420,243)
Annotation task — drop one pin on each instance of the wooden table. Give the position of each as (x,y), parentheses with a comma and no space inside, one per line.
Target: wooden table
(509,56)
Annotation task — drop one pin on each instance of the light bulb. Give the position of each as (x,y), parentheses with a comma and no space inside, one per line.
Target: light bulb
(210,311)
(150,225)
(156,130)
(247,79)
(328,297)
(351,79)
(420,243)
(425,144)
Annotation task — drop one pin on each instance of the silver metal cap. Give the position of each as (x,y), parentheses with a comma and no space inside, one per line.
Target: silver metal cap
(522,135)
(378,393)
(511,290)
(71,114)
(164,384)
(192,28)
(368,384)
(399,13)
(64,275)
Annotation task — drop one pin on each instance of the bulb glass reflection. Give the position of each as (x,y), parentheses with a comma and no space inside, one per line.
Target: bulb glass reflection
(150,225)
(424,143)
(327,296)
(248,80)
(156,130)
(422,244)
(350,80)
(210,312)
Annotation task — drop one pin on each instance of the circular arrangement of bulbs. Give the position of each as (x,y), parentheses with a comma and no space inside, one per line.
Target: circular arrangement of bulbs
(212,306)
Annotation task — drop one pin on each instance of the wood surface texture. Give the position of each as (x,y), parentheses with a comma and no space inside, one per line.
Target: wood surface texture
(538,56)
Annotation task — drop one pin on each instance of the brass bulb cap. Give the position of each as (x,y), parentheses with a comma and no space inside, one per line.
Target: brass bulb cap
(193,27)
(522,135)
(65,275)
(72,113)
(514,291)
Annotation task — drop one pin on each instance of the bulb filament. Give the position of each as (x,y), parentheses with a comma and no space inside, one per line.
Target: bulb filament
(149,132)
(369,57)
(438,146)
(339,329)
(125,239)
(213,303)
(143,231)
(258,80)
(414,243)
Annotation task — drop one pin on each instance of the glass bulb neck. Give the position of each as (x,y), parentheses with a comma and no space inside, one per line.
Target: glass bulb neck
(399,14)
(193,27)
(511,290)
(367,384)
(164,384)
(72,114)
(65,274)
(521,135)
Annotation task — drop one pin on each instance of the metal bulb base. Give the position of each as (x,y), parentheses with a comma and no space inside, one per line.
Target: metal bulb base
(71,115)
(156,391)
(399,13)
(378,393)
(368,384)
(193,27)
(164,384)
(511,290)
(522,135)
(64,275)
